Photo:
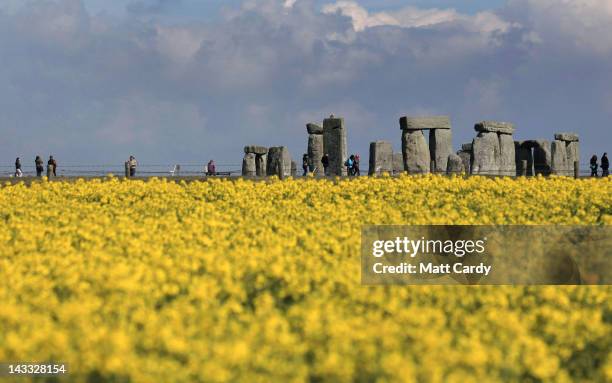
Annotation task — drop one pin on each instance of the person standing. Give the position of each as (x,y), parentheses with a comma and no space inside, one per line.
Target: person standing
(349,165)
(52,166)
(38,162)
(325,162)
(605,165)
(356,171)
(305,164)
(18,171)
(132,164)
(211,169)
(593,166)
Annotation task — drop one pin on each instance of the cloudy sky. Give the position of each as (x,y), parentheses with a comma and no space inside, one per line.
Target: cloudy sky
(183,81)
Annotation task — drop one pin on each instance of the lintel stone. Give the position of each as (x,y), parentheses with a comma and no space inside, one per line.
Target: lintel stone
(425,123)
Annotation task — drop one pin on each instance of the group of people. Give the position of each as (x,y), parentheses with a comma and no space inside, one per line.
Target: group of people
(605,165)
(351,164)
(39,165)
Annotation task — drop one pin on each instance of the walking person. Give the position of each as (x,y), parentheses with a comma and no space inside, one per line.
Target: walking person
(18,172)
(594,166)
(325,162)
(38,162)
(356,171)
(605,165)
(132,164)
(211,169)
(52,166)
(349,165)
(305,164)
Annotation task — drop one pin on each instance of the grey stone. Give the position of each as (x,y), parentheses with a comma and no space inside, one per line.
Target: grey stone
(558,154)
(261,164)
(466,158)
(279,162)
(314,128)
(398,163)
(424,123)
(486,153)
(334,144)
(507,156)
(248,165)
(255,149)
(381,158)
(454,164)
(440,147)
(415,152)
(495,127)
(315,153)
(569,137)
(573,153)
(293,169)
(467,147)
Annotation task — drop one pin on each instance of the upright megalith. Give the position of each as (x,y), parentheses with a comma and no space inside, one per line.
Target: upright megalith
(248,165)
(279,162)
(315,148)
(334,144)
(558,154)
(381,158)
(572,150)
(438,150)
(542,158)
(398,163)
(454,164)
(493,150)
(415,152)
(466,156)
(259,159)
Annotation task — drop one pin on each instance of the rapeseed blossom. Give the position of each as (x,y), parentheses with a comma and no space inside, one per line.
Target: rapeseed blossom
(163,281)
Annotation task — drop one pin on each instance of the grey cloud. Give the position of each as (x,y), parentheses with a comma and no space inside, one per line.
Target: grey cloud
(94,89)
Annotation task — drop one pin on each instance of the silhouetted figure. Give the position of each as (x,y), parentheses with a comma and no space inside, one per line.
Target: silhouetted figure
(594,166)
(18,172)
(325,162)
(38,162)
(605,165)
(211,169)
(52,166)
(132,164)
(305,164)
(356,171)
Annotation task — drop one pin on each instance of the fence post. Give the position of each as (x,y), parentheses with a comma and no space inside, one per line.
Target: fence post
(524,168)
(576,169)
(127,170)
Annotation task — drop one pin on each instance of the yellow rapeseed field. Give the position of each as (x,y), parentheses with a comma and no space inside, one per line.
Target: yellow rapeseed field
(161,281)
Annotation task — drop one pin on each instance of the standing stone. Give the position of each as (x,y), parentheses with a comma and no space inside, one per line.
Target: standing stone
(454,164)
(293,169)
(542,159)
(573,153)
(398,163)
(315,153)
(486,153)
(279,162)
(466,158)
(334,144)
(381,158)
(558,154)
(507,157)
(248,165)
(415,152)
(261,163)
(440,147)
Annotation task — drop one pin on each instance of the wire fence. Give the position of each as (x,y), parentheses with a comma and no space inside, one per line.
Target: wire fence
(230,170)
